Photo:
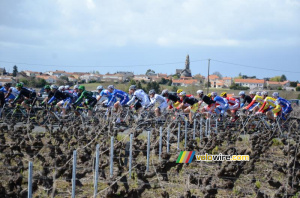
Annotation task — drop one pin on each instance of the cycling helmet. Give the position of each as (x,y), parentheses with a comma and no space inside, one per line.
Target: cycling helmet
(258,93)
(200,92)
(164,92)
(242,93)
(76,87)
(67,87)
(223,94)
(152,91)
(209,95)
(179,91)
(252,92)
(275,94)
(100,87)
(47,87)
(19,85)
(54,87)
(264,93)
(182,93)
(111,87)
(61,88)
(132,87)
(214,94)
(81,87)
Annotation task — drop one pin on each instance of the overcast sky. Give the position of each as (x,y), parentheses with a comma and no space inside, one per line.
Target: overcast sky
(74,35)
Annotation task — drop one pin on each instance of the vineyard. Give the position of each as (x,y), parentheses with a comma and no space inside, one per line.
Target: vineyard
(139,160)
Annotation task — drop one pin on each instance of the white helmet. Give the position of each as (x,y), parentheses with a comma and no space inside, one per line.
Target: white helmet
(200,92)
(61,88)
(76,87)
(258,93)
(214,94)
(252,92)
(275,94)
(99,87)
(264,93)
(242,93)
(67,87)
(53,87)
(182,93)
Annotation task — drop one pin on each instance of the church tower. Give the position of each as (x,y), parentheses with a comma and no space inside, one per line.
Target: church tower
(186,72)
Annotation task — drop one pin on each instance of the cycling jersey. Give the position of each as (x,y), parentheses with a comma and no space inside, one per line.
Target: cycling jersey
(256,101)
(234,103)
(247,99)
(207,100)
(223,104)
(58,95)
(285,104)
(13,94)
(123,96)
(269,104)
(26,93)
(141,96)
(89,99)
(161,101)
(189,100)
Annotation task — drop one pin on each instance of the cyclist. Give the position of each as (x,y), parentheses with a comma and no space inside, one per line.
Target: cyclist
(268,106)
(160,100)
(207,100)
(285,104)
(99,89)
(234,105)
(116,93)
(28,96)
(192,108)
(140,98)
(47,89)
(64,99)
(67,89)
(256,103)
(61,88)
(89,102)
(245,99)
(10,92)
(104,93)
(222,104)
(171,97)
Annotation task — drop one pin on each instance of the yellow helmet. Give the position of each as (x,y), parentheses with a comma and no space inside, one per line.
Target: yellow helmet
(179,91)
(209,95)
(223,94)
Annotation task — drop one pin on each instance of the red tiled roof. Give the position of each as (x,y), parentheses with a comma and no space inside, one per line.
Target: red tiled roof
(192,81)
(213,77)
(277,83)
(257,81)
(227,78)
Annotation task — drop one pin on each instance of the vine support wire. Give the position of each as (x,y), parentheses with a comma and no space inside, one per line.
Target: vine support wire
(111,156)
(178,136)
(74,173)
(185,134)
(30,179)
(96,171)
(160,142)
(168,140)
(148,151)
(130,155)
(200,129)
(206,127)
(216,126)
(194,131)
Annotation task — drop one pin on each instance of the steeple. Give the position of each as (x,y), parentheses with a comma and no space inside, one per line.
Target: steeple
(187,62)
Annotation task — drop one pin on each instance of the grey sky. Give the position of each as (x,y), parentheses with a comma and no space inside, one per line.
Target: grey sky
(262,33)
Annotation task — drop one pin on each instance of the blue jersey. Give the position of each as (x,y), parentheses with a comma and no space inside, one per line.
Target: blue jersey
(283,102)
(123,96)
(221,101)
(106,93)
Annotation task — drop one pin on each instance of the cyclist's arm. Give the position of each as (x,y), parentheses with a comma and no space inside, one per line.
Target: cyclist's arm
(111,100)
(131,101)
(249,105)
(8,93)
(79,99)
(51,100)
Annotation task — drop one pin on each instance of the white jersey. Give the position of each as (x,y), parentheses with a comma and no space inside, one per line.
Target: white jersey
(14,91)
(158,98)
(141,96)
